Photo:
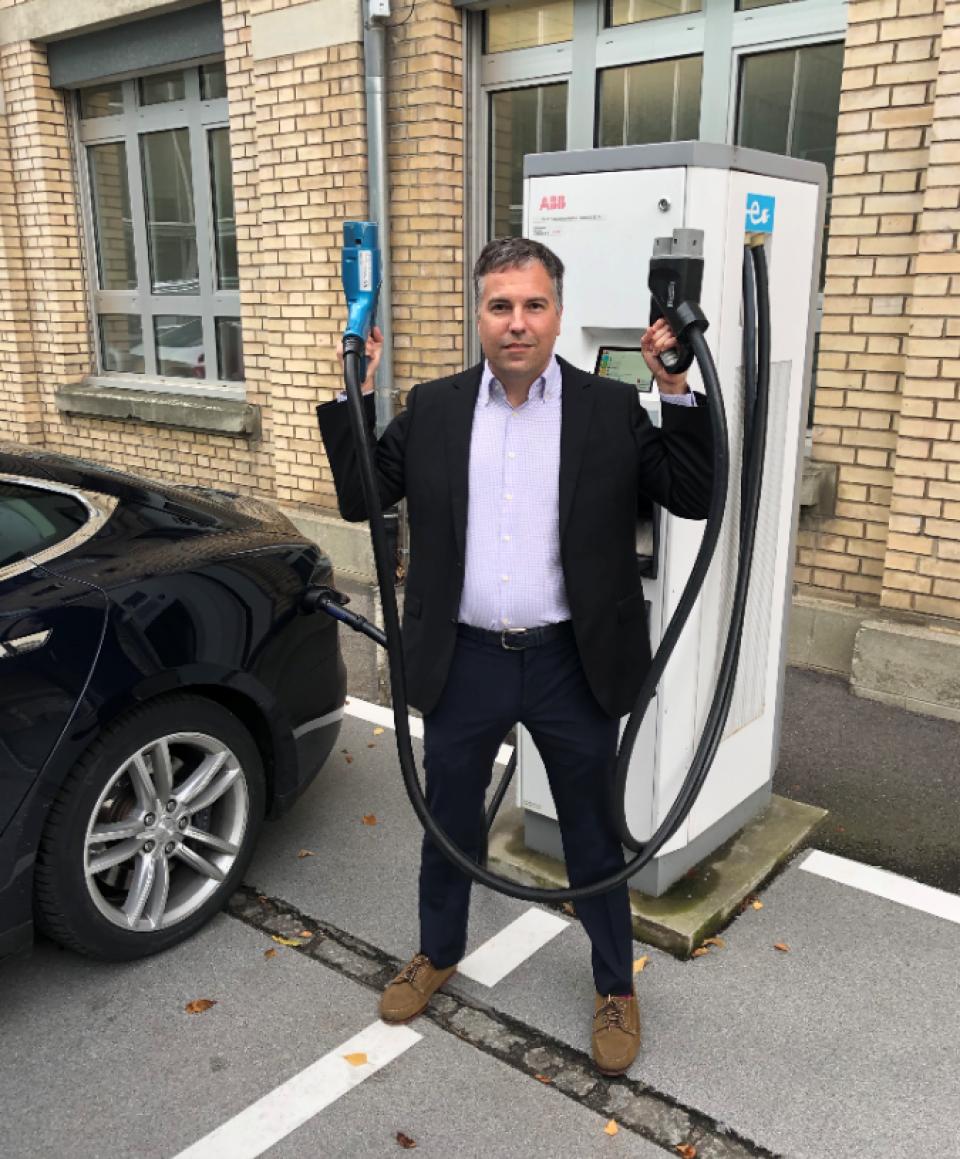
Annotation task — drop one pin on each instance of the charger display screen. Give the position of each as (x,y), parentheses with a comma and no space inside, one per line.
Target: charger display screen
(626,364)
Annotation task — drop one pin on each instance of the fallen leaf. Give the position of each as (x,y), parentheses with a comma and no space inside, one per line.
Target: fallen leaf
(378,731)
(199,1005)
(782,947)
(306,853)
(757,903)
(357,1059)
(686,1151)
(371,744)
(543,1078)
(700,951)
(370,819)
(349,759)
(718,942)
(405,1141)
(271,953)
(640,964)
(285,941)
(611,1128)
(305,934)
(567,908)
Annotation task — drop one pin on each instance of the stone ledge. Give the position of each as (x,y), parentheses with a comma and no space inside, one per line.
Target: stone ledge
(818,489)
(822,635)
(909,666)
(220,416)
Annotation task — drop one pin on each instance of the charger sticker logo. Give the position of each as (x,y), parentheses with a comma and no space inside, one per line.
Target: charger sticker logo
(760,213)
(366,270)
(553,201)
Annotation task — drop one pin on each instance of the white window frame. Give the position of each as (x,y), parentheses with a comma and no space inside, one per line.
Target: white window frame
(210,303)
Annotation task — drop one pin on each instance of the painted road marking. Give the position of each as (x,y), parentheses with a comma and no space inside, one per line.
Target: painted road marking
(884,884)
(377,714)
(494,960)
(293,1103)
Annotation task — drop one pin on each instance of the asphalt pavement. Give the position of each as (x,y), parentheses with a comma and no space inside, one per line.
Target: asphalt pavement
(821,1025)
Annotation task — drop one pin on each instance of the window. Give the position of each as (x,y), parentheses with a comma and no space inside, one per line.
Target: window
(790,100)
(529,120)
(33,520)
(160,211)
(528,25)
(646,103)
(635,11)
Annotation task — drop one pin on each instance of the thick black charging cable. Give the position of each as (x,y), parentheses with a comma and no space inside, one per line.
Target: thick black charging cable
(353,361)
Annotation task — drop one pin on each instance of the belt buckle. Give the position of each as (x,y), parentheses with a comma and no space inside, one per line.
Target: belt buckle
(511,632)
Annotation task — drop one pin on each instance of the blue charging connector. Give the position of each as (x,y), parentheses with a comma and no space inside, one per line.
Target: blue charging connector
(361,273)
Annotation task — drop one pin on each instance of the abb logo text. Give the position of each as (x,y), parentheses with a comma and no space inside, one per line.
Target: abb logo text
(553,201)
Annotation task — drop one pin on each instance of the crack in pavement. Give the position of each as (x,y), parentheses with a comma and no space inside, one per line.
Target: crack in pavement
(635,1106)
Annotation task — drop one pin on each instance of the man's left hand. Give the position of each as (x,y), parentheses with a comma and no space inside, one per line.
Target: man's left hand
(656,339)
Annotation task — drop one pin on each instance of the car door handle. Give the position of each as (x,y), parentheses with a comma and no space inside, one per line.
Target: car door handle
(24,644)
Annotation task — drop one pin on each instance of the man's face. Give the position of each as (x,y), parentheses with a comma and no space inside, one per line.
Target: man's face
(518,322)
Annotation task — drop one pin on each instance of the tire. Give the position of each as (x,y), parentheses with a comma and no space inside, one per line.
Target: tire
(152,830)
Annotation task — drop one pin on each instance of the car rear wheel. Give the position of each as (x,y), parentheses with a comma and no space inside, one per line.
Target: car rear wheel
(152,831)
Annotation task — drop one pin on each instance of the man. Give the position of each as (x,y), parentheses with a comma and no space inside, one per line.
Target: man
(523,477)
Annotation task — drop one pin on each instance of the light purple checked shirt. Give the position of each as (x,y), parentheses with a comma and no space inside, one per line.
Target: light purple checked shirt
(513,575)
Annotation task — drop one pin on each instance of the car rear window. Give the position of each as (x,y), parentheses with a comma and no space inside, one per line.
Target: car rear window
(33,519)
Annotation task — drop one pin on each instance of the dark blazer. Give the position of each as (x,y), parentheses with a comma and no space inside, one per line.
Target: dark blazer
(612,458)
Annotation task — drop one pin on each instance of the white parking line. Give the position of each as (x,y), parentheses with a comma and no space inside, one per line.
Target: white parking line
(884,884)
(494,960)
(270,1119)
(377,714)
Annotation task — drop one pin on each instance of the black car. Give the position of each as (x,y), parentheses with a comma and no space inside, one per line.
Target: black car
(162,690)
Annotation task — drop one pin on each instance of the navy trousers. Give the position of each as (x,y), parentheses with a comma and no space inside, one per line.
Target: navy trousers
(488,691)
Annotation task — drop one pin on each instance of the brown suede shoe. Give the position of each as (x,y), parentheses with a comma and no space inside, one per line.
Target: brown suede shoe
(616,1033)
(411,990)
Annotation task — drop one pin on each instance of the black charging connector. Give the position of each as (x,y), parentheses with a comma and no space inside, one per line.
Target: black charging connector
(676,276)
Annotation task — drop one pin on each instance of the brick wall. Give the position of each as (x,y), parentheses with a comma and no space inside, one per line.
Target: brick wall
(890,71)
(887,406)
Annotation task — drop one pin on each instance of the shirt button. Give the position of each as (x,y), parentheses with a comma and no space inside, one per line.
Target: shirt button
(505,578)
(508,495)
(505,620)
(506,539)
(511,454)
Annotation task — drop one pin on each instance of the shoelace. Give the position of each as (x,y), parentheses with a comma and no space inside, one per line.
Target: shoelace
(613,1014)
(413,968)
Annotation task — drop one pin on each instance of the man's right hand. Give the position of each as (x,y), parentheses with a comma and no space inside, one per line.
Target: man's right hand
(374,354)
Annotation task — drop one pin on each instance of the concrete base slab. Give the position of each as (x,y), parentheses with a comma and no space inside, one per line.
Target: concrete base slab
(704,900)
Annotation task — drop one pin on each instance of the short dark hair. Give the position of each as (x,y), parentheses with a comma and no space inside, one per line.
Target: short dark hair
(510,253)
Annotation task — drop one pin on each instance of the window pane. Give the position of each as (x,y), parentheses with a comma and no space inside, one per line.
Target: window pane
(789,102)
(766,93)
(526,25)
(745,5)
(121,343)
(171,227)
(167,86)
(180,351)
(645,103)
(229,350)
(31,520)
(814,135)
(522,121)
(105,101)
(113,225)
(213,81)
(224,225)
(635,11)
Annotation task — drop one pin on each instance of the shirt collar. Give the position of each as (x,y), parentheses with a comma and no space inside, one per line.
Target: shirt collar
(546,388)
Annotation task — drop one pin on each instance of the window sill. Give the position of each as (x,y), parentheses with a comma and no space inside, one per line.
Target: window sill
(222,416)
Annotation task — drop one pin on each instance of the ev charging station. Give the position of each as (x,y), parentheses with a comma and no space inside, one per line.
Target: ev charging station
(601,211)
